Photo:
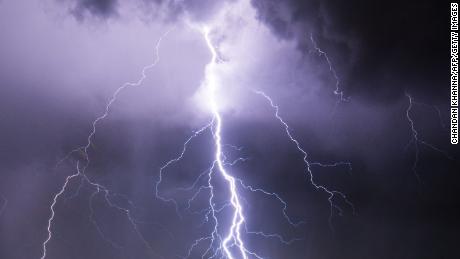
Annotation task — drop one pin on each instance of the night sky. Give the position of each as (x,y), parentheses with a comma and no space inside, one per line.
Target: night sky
(364,87)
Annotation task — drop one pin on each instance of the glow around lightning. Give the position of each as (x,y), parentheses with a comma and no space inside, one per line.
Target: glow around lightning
(221,244)
(234,234)
(230,241)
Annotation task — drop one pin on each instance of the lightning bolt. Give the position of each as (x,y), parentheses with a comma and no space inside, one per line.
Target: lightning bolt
(100,189)
(230,244)
(226,239)
(234,234)
(338,92)
(308,164)
(415,139)
(80,170)
(175,160)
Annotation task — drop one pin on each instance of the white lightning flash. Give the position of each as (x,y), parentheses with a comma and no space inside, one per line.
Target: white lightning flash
(80,172)
(234,231)
(231,243)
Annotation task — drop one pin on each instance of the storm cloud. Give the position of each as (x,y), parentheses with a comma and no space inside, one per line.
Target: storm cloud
(379,48)
(374,55)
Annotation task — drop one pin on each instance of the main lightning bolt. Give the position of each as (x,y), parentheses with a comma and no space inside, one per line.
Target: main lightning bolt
(234,231)
(231,244)
(80,170)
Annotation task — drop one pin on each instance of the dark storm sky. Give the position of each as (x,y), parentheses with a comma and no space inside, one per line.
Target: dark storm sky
(60,61)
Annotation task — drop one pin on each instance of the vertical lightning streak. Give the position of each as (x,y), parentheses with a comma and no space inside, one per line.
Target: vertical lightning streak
(339,93)
(416,140)
(84,149)
(238,219)
(53,212)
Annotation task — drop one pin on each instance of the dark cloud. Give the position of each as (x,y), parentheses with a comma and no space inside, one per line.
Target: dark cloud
(202,9)
(104,9)
(379,48)
(168,10)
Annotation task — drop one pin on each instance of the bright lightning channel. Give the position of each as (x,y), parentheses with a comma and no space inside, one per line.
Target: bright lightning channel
(234,234)
(233,237)
(221,245)
(80,171)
